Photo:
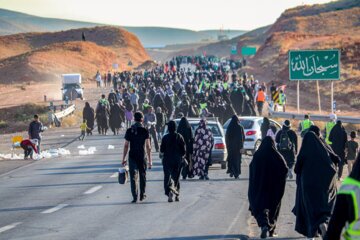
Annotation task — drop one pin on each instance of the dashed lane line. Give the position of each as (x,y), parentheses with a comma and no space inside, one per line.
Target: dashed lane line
(10,226)
(54,209)
(93,189)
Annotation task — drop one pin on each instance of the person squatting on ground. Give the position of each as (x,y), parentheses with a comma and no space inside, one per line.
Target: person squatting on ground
(268,172)
(173,150)
(29,146)
(137,138)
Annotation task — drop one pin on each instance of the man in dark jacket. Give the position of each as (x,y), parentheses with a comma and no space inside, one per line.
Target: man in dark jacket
(338,139)
(35,129)
(287,145)
(173,150)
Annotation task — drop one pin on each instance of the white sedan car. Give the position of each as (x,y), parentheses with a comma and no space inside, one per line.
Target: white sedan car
(252,132)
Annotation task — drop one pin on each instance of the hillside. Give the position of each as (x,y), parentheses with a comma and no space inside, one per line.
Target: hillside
(43,56)
(322,26)
(14,22)
(328,26)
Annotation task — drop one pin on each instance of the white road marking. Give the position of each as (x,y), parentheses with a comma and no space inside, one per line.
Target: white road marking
(8,227)
(54,209)
(114,175)
(93,189)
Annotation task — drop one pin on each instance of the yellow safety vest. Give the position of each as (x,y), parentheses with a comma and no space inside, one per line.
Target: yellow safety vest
(203,106)
(351,187)
(306,124)
(329,126)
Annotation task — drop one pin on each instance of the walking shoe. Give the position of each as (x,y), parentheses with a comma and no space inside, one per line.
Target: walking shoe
(207,178)
(201,178)
(177,199)
(264,232)
(143,197)
(170,199)
(134,200)
(272,233)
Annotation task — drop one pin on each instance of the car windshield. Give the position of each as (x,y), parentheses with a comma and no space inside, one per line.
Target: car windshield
(72,85)
(247,124)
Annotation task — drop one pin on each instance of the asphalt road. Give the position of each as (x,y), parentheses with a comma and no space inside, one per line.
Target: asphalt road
(78,197)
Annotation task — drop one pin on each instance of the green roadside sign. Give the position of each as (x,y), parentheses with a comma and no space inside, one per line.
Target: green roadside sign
(248,51)
(314,65)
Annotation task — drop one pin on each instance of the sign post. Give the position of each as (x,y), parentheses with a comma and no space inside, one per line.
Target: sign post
(318,93)
(298,96)
(319,65)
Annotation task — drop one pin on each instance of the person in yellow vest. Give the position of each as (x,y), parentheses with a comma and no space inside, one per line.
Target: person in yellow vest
(260,98)
(282,99)
(305,125)
(329,126)
(346,215)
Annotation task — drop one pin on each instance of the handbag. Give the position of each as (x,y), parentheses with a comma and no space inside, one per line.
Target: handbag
(123,175)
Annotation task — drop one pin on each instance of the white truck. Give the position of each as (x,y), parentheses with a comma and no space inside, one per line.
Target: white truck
(71,86)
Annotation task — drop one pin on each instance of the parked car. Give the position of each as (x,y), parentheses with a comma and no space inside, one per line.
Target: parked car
(252,132)
(219,152)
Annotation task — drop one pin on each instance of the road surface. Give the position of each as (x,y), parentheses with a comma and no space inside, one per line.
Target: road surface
(78,197)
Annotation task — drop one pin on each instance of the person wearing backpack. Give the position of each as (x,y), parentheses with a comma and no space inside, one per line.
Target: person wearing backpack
(287,145)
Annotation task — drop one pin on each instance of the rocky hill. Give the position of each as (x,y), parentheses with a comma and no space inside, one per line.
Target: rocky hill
(43,56)
(335,25)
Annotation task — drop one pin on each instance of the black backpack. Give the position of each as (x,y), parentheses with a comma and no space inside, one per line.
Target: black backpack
(285,143)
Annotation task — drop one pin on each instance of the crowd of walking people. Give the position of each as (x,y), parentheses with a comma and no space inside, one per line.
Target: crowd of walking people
(154,98)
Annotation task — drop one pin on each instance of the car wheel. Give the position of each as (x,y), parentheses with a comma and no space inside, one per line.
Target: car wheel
(223,165)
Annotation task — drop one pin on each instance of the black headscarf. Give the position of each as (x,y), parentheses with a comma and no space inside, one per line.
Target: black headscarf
(265,127)
(171,126)
(268,171)
(338,137)
(185,130)
(234,134)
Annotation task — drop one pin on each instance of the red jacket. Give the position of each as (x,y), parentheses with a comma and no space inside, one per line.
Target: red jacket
(27,142)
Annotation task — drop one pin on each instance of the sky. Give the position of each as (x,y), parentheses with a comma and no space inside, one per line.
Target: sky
(188,14)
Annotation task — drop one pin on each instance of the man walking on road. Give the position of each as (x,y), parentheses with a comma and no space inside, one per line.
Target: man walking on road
(35,129)
(137,139)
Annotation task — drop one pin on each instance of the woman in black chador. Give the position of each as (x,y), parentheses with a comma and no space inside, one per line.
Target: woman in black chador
(234,143)
(89,116)
(268,172)
(186,132)
(316,186)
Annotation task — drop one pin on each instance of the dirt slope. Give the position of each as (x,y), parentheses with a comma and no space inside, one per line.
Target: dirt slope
(42,56)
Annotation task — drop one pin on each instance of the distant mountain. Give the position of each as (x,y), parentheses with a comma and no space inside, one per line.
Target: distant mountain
(15,22)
